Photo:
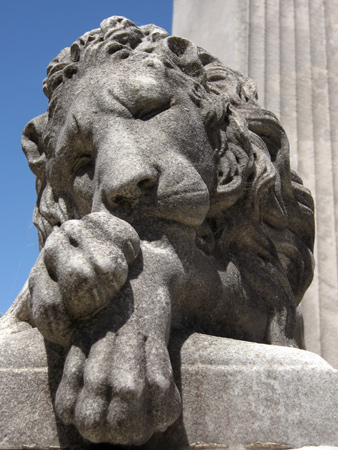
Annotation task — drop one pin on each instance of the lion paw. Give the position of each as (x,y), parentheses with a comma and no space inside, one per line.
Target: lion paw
(122,393)
(82,267)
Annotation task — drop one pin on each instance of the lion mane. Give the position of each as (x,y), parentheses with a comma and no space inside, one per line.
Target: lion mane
(261,215)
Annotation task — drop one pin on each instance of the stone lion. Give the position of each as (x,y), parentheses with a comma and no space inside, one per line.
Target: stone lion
(165,201)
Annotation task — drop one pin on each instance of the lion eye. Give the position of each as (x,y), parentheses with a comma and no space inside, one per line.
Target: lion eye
(148,114)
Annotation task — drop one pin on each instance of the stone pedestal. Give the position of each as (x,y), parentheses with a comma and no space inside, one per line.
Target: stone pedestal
(290,49)
(234,393)
(239,393)
(30,370)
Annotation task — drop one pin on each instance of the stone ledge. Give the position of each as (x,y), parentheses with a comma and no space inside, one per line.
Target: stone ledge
(234,394)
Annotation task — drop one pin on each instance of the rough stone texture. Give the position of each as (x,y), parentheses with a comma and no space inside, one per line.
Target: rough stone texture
(28,380)
(241,393)
(26,405)
(290,48)
(165,203)
(235,394)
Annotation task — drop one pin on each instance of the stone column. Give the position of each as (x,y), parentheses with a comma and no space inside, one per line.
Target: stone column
(290,48)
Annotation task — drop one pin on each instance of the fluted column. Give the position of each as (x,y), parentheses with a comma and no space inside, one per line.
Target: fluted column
(290,48)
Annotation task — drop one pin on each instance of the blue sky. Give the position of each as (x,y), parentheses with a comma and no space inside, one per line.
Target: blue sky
(32,33)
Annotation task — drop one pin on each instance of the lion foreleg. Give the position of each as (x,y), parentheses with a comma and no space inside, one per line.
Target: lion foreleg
(120,389)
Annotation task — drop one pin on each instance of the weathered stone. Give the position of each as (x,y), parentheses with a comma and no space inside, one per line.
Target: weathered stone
(29,373)
(165,204)
(234,393)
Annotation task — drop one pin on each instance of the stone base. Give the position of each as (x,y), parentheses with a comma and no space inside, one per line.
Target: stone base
(239,393)
(234,394)
(30,370)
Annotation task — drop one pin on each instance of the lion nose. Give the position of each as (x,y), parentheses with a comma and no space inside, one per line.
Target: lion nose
(129,186)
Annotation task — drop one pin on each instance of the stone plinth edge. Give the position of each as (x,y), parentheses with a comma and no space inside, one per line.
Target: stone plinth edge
(236,395)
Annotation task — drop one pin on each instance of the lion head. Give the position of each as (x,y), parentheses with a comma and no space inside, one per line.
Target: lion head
(239,191)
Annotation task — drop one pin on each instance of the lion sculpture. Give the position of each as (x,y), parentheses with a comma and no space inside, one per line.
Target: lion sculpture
(165,202)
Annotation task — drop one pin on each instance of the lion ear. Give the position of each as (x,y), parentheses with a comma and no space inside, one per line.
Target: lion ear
(32,145)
